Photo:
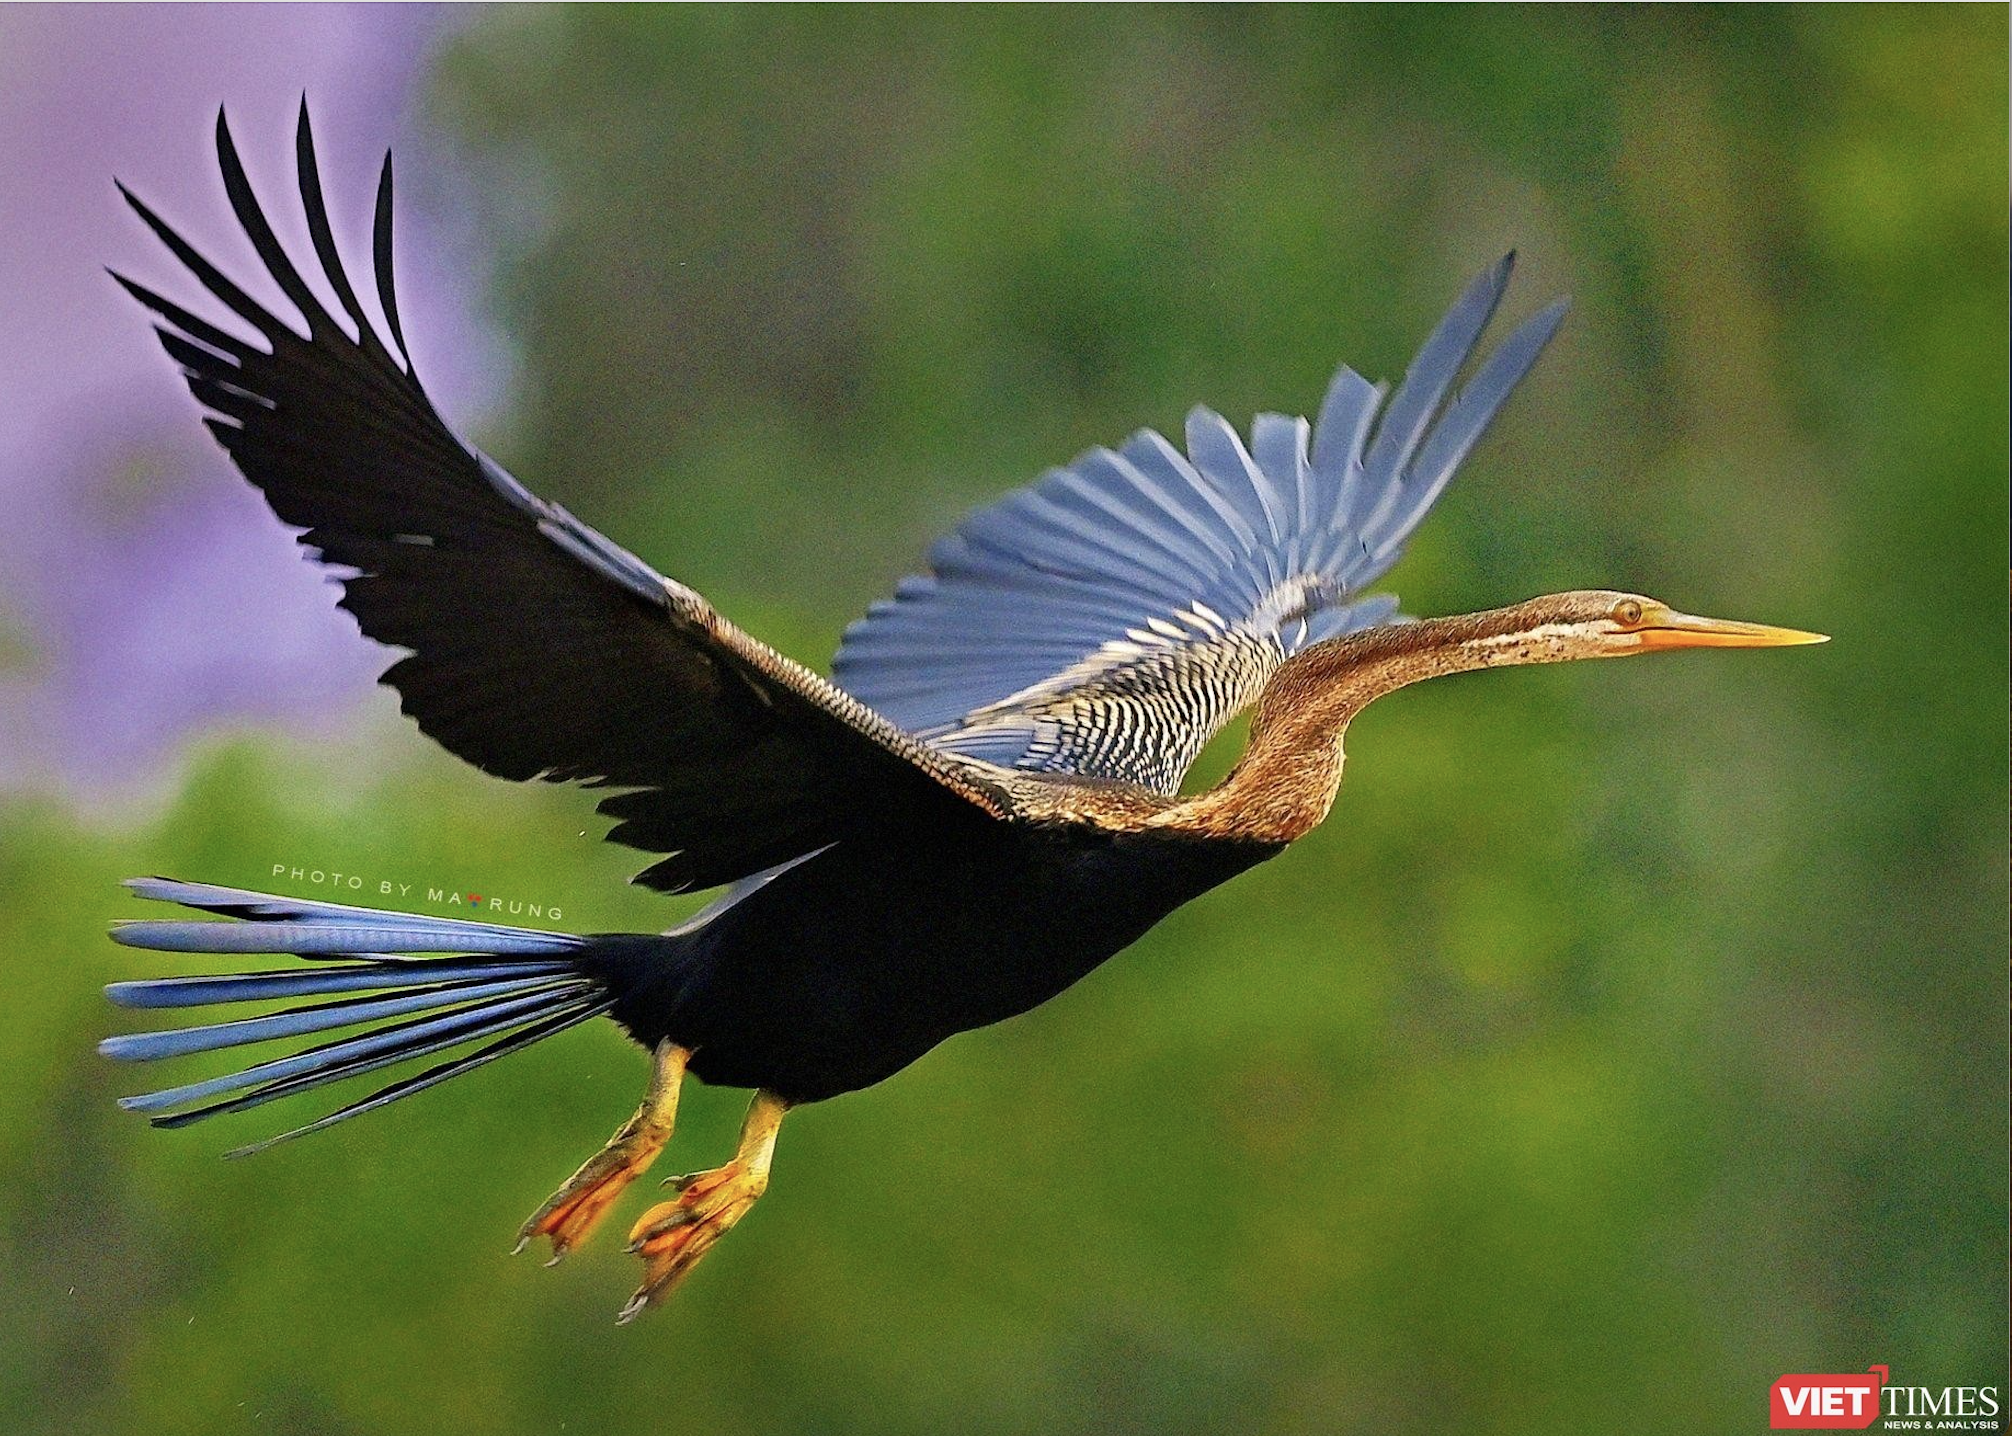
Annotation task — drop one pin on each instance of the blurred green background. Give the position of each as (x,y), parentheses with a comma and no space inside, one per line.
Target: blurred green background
(1632,1034)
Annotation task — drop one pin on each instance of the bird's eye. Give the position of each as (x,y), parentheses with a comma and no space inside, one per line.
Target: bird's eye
(1627,613)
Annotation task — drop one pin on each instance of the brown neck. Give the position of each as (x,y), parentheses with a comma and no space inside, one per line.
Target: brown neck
(1286,781)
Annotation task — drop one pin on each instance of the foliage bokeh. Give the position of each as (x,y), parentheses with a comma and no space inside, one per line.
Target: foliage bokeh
(1629,1036)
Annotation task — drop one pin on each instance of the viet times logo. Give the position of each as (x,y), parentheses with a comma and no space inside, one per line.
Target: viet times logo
(1825,1403)
(1852,1403)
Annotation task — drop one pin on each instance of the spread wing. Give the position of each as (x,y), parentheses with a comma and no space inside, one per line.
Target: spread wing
(538,649)
(1108,620)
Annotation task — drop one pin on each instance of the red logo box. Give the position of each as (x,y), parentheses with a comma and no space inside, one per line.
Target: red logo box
(1825,1403)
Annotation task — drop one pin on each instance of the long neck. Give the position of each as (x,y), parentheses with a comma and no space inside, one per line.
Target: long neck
(1286,781)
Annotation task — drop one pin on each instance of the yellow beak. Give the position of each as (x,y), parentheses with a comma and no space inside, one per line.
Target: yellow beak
(1670,629)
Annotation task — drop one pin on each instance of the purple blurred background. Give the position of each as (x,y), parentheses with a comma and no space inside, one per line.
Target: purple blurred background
(145,590)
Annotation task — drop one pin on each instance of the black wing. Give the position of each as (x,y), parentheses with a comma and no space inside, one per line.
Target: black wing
(538,648)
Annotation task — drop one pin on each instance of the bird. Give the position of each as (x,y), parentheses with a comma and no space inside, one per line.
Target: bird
(980,805)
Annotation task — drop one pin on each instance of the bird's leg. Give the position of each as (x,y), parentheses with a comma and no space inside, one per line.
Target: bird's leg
(672,1237)
(577,1207)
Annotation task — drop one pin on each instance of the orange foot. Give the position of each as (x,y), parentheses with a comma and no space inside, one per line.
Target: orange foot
(570,1215)
(572,1212)
(671,1237)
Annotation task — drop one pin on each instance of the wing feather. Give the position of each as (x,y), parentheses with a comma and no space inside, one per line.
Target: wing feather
(1108,620)
(536,647)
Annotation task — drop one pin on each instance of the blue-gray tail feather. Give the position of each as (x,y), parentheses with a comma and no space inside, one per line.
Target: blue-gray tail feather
(507,988)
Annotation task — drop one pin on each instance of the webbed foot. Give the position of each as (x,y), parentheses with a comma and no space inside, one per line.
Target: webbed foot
(672,1236)
(570,1215)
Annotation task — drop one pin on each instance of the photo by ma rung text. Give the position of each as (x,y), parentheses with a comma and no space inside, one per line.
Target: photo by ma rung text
(361,885)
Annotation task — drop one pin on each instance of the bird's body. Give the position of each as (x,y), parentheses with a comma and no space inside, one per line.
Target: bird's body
(852,964)
(981,806)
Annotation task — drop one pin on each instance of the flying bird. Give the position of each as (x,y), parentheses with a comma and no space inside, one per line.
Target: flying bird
(981,805)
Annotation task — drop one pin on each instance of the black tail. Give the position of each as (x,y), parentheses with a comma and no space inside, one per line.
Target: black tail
(509,987)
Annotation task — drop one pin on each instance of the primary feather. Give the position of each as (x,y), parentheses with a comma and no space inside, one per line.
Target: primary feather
(537,648)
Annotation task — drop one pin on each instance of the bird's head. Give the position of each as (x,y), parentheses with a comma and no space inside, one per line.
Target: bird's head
(1594,623)
(1322,687)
